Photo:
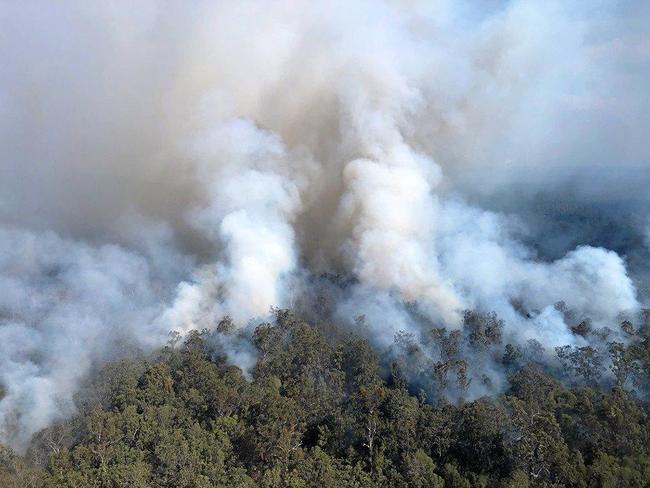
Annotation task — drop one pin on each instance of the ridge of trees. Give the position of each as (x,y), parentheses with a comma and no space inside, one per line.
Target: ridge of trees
(323,408)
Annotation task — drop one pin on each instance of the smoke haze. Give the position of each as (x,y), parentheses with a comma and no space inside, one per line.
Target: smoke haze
(165,164)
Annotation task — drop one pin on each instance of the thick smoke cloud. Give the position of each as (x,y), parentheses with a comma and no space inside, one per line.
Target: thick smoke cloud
(165,164)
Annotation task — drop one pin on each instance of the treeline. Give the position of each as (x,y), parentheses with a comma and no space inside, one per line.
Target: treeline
(322,408)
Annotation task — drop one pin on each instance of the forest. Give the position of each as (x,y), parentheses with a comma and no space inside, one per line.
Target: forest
(324,243)
(324,407)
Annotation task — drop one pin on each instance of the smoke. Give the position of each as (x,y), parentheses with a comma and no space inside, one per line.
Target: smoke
(251,204)
(165,164)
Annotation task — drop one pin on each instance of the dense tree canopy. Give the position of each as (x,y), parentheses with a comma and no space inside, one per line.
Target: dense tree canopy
(323,408)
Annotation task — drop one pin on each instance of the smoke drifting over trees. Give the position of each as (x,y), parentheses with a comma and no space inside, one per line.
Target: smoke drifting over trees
(382,165)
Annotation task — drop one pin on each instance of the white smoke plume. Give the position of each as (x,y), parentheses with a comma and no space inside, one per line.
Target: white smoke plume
(167,163)
(251,206)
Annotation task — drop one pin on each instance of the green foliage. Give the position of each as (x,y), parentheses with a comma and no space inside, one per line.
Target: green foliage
(328,412)
(611,472)
(421,471)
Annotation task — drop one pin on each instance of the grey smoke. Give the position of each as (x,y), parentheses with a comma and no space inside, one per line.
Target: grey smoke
(165,164)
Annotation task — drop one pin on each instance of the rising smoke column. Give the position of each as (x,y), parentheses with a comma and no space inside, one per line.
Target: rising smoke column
(168,163)
(388,200)
(251,205)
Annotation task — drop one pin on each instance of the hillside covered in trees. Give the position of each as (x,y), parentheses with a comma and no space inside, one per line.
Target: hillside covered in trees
(324,408)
